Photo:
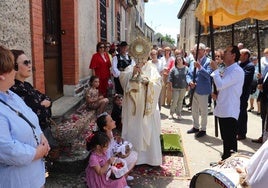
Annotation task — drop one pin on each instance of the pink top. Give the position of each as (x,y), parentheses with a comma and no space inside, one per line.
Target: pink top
(99,181)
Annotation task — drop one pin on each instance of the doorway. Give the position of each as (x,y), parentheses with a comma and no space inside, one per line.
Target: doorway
(52,49)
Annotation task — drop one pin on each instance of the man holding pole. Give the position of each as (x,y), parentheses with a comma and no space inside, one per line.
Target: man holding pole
(229,86)
(199,80)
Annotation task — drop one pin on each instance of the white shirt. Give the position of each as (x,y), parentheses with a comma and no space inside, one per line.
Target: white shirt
(115,70)
(229,86)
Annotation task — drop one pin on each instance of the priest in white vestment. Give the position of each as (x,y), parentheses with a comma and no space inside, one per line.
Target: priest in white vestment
(140,112)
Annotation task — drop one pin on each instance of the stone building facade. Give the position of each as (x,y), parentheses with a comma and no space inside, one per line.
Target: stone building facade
(244,31)
(61,36)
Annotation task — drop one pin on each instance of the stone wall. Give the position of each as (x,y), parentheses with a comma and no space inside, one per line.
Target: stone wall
(245,32)
(15,25)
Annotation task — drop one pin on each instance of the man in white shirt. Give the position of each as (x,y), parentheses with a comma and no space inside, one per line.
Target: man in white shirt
(119,63)
(229,87)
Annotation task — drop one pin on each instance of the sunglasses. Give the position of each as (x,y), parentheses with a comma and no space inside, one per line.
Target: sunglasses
(26,63)
(102,46)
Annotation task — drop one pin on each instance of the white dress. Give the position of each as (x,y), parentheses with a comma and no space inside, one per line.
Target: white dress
(140,114)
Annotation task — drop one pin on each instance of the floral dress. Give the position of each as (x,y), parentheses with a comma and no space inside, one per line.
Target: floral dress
(33,99)
(92,94)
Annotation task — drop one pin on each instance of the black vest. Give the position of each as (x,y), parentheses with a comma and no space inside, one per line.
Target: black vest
(122,62)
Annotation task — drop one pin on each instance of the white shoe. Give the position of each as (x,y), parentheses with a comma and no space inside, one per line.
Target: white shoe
(127,186)
(130,178)
(175,116)
(170,117)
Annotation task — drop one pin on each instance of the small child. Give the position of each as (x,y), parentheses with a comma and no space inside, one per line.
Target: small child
(117,112)
(93,99)
(106,125)
(99,163)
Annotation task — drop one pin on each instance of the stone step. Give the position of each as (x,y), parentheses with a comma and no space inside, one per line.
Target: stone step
(71,127)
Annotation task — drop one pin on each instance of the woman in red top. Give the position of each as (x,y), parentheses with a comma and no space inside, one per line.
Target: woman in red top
(100,64)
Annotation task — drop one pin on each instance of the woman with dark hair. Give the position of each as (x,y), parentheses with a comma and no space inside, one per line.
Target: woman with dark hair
(178,85)
(106,125)
(22,143)
(100,64)
(37,101)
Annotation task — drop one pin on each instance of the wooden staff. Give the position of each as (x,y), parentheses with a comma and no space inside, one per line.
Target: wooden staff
(213,57)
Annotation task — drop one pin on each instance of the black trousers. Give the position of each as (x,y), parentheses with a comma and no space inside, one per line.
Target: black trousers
(118,87)
(228,128)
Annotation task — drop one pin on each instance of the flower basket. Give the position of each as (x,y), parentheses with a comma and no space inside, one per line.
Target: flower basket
(122,150)
(118,169)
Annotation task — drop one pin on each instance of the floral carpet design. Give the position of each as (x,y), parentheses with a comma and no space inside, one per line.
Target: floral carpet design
(174,166)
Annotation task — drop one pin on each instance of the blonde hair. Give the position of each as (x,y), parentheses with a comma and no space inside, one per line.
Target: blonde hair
(265,51)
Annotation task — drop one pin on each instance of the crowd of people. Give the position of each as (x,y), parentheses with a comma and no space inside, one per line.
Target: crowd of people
(134,124)
(234,72)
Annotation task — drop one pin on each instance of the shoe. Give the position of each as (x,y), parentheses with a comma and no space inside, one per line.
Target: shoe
(170,117)
(130,178)
(252,108)
(240,137)
(127,186)
(175,116)
(258,140)
(200,134)
(258,113)
(212,164)
(192,130)
(190,108)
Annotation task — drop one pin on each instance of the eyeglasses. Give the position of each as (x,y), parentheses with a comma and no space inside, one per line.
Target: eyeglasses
(27,62)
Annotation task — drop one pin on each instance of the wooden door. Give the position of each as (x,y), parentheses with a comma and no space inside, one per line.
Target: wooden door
(52,49)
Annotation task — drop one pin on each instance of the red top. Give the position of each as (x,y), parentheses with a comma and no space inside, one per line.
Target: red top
(101,67)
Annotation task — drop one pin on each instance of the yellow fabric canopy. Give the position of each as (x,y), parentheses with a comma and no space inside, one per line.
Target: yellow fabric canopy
(227,12)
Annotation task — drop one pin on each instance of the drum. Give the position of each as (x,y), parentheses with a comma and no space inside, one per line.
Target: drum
(223,175)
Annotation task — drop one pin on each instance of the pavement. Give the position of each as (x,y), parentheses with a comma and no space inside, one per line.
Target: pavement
(199,152)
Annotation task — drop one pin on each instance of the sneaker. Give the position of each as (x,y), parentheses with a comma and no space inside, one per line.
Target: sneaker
(127,186)
(192,130)
(170,116)
(130,178)
(175,116)
(200,134)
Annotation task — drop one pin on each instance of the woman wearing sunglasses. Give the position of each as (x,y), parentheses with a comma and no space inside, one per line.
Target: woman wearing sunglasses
(37,101)
(22,143)
(100,64)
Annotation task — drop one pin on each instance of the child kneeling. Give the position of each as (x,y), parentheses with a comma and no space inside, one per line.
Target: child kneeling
(99,163)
